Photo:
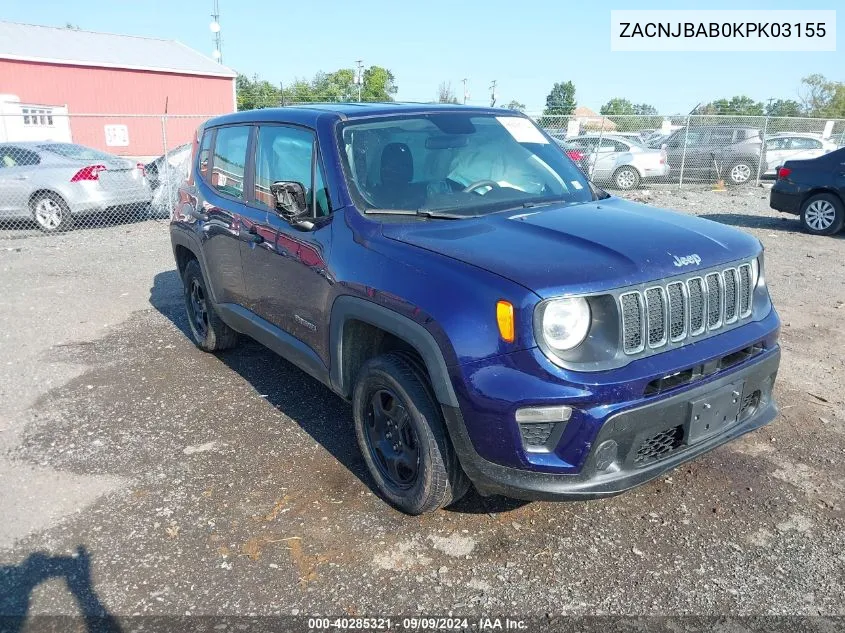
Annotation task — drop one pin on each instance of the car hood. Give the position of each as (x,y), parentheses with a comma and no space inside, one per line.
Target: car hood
(587,247)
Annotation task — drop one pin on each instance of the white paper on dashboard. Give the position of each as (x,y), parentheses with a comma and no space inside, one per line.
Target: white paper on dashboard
(522,130)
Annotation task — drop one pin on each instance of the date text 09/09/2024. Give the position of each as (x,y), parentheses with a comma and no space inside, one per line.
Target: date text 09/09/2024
(417,624)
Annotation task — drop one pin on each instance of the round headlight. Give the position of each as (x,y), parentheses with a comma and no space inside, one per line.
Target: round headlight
(566,323)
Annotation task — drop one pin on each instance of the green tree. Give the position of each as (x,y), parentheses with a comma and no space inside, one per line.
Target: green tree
(560,103)
(516,105)
(617,105)
(784,107)
(629,116)
(336,86)
(739,105)
(256,93)
(561,100)
(379,84)
(823,97)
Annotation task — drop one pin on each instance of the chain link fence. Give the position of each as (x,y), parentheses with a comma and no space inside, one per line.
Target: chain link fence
(60,172)
(73,171)
(628,151)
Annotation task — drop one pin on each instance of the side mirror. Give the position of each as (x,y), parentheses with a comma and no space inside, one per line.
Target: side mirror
(289,198)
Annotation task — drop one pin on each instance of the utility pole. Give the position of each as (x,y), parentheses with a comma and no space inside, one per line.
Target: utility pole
(359,77)
(493,94)
(466,94)
(215,29)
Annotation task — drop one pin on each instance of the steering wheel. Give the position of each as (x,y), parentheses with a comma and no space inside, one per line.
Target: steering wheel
(481,183)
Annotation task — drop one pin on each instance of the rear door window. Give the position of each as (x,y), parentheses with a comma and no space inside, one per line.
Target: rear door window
(721,137)
(229,162)
(799,142)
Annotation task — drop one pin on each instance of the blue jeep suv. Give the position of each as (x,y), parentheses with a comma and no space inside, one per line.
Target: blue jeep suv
(492,316)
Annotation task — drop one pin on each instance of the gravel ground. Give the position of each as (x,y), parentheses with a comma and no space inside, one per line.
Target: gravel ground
(231,484)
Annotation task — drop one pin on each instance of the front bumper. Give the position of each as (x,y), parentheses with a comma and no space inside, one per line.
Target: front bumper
(630,429)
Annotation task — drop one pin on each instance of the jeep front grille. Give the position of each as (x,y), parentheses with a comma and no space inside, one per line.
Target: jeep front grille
(684,309)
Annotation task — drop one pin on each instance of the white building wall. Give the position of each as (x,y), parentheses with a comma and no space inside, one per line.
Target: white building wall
(32,122)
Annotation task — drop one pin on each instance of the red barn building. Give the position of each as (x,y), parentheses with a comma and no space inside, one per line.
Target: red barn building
(120,77)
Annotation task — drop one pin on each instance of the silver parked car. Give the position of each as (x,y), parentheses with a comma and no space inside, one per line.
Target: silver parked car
(785,146)
(618,160)
(52,183)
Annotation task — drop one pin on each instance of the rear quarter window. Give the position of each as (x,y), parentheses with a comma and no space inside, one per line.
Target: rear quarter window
(204,153)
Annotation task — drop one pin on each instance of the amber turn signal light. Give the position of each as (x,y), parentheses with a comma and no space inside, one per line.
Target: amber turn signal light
(504,317)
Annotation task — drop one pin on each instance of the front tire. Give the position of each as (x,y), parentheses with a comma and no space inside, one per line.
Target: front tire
(402,438)
(823,214)
(626,178)
(51,212)
(208,331)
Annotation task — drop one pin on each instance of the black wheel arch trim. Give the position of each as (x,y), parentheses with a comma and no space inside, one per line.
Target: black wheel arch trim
(347,308)
(182,237)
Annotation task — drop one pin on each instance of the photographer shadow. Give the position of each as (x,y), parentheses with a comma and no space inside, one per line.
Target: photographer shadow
(17,583)
(283,387)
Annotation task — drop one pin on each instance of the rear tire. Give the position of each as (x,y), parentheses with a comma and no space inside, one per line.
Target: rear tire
(51,212)
(208,332)
(741,172)
(400,432)
(823,214)
(626,178)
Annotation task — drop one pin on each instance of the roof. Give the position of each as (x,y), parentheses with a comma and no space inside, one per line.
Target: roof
(51,45)
(309,113)
(585,111)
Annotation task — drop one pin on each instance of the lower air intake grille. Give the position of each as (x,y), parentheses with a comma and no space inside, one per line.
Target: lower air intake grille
(535,435)
(659,445)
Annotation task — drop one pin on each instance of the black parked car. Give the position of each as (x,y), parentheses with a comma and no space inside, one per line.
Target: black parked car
(815,190)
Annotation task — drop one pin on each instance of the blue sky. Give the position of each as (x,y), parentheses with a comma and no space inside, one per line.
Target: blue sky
(526,46)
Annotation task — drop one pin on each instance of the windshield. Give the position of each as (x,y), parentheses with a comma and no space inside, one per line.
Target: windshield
(464,163)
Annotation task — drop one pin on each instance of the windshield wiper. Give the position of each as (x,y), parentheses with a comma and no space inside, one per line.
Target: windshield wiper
(425,213)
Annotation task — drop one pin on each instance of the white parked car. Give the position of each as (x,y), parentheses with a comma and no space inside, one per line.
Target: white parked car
(619,161)
(784,146)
